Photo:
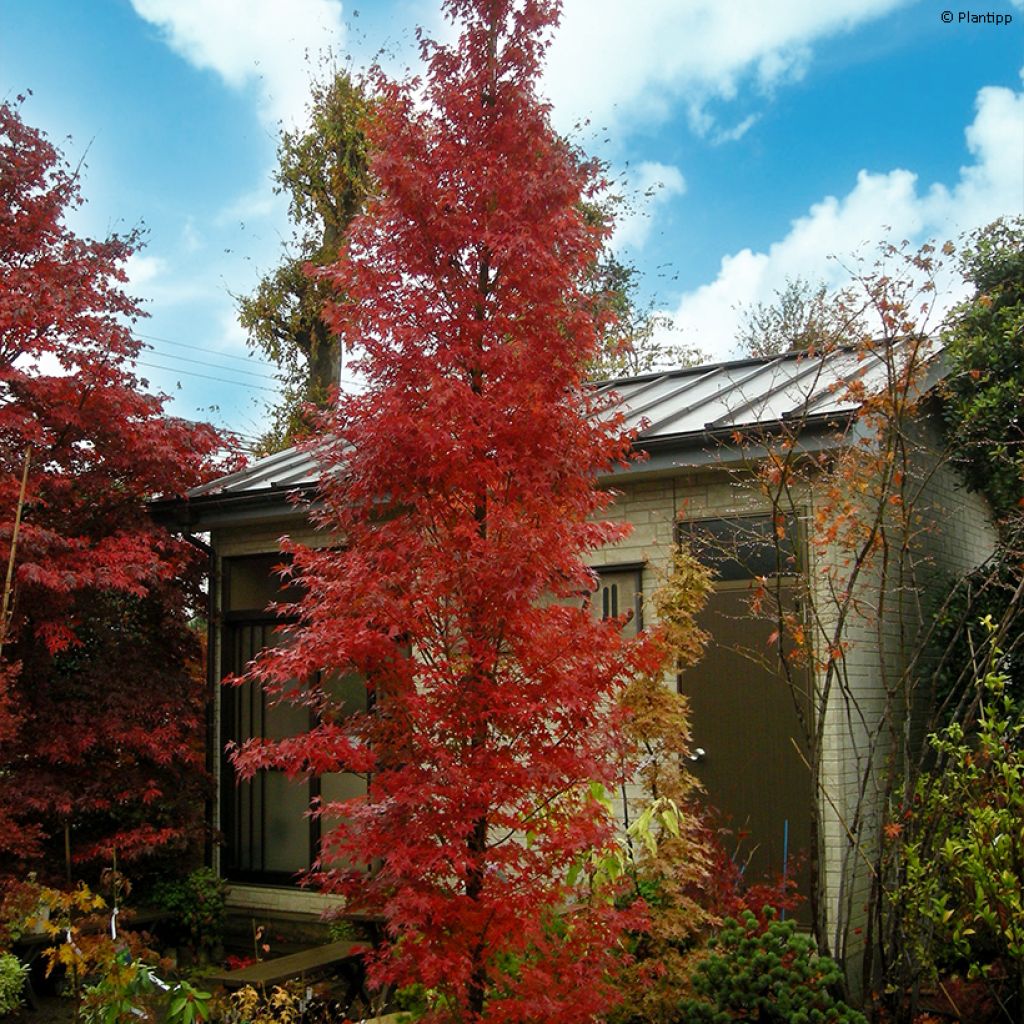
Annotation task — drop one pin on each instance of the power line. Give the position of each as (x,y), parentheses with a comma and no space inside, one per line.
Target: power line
(225,355)
(199,348)
(203,362)
(239,434)
(206,376)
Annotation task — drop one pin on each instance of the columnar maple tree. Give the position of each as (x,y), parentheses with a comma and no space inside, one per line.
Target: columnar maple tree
(99,712)
(458,498)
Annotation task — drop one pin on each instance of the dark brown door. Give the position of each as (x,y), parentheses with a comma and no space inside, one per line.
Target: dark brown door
(747,739)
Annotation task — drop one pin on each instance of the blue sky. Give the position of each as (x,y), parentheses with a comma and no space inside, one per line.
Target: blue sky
(775,133)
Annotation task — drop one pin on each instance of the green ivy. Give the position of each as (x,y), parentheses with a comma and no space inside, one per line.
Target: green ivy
(985,345)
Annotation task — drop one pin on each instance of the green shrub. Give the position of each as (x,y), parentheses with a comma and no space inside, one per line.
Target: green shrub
(130,992)
(12,982)
(769,974)
(962,902)
(198,902)
(341,930)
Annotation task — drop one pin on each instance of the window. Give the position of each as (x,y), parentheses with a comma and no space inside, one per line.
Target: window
(270,836)
(743,547)
(620,591)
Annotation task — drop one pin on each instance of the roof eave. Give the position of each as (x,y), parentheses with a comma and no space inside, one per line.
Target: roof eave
(209,511)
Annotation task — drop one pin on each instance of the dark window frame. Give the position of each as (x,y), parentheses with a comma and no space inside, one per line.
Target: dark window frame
(231,788)
(233,622)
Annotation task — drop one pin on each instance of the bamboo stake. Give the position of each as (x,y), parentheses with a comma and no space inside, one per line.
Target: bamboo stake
(5,611)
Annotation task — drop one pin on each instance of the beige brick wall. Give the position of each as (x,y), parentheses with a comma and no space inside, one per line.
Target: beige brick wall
(953,534)
(950,533)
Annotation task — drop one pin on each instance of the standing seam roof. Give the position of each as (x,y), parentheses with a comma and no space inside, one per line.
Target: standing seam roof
(677,404)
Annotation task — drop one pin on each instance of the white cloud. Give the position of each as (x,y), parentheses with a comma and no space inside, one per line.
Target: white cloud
(230,336)
(143,270)
(619,63)
(648,185)
(879,206)
(735,133)
(258,203)
(266,44)
(191,238)
(158,283)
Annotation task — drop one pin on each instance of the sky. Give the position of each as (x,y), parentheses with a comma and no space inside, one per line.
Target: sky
(758,141)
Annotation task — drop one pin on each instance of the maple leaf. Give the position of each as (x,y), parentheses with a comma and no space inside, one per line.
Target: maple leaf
(893,830)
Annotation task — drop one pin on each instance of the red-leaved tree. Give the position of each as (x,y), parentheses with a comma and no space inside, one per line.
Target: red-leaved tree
(457,501)
(100,711)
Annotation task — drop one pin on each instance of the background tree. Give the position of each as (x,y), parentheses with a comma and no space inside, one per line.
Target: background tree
(636,339)
(985,343)
(100,709)
(984,409)
(323,170)
(467,502)
(802,316)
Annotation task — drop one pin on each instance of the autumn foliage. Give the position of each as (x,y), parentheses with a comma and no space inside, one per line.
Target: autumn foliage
(99,715)
(457,502)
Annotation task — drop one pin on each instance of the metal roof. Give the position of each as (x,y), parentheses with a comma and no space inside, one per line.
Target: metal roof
(681,406)
(288,469)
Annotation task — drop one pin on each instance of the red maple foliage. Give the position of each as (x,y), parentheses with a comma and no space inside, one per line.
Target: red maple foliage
(458,501)
(99,711)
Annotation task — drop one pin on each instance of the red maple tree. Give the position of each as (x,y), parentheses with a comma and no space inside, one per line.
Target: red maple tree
(457,501)
(100,714)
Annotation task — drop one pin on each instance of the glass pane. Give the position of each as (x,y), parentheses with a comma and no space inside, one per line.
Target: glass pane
(286,826)
(341,786)
(283,719)
(743,547)
(335,788)
(251,583)
(348,692)
(265,818)
(247,800)
(256,713)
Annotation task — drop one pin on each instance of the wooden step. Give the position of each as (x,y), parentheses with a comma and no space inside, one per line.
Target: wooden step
(283,968)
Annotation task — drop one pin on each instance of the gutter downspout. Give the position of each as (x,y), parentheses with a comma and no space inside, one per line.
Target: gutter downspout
(211,689)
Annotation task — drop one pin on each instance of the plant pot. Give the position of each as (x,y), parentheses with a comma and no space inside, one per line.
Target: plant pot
(38,921)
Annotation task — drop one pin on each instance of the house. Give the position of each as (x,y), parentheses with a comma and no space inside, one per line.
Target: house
(704,433)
